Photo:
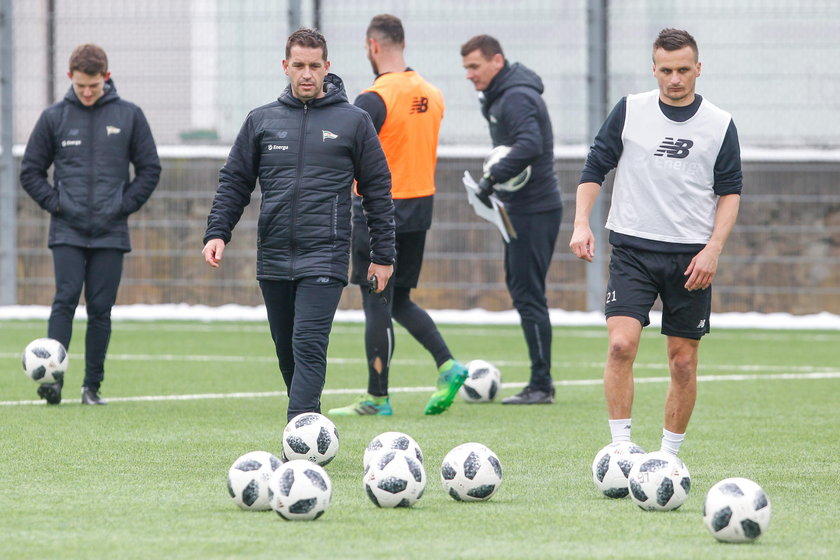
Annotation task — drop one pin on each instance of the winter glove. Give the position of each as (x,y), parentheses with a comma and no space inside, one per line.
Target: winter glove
(485,189)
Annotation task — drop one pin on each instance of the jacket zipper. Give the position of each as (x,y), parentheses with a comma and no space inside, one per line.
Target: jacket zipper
(92,175)
(295,193)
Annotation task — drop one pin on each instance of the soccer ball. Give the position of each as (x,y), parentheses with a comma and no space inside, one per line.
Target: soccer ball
(659,481)
(736,510)
(394,478)
(45,360)
(300,490)
(611,466)
(392,440)
(310,436)
(482,383)
(471,472)
(513,184)
(248,478)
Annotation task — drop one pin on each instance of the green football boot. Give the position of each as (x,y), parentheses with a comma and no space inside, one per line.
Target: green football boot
(452,376)
(366,405)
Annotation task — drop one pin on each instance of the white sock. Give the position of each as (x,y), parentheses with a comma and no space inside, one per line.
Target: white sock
(671,442)
(620,429)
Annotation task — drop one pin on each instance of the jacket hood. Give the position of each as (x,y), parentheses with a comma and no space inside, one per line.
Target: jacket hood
(512,75)
(333,93)
(109,95)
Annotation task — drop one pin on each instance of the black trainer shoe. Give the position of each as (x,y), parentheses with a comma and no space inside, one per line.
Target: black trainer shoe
(91,396)
(531,396)
(51,392)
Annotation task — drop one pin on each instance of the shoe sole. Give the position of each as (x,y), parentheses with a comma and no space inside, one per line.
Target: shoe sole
(50,395)
(351,414)
(357,412)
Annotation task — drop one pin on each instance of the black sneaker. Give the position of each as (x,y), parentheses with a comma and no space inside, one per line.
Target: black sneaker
(91,396)
(531,396)
(51,392)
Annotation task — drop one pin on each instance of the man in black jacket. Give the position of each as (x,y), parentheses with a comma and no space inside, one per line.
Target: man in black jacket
(90,137)
(511,101)
(306,149)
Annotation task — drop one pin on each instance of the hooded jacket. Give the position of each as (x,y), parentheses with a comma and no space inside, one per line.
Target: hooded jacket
(306,157)
(91,148)
(517,115)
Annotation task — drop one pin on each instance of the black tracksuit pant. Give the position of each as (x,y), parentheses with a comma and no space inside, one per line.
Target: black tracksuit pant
(527,259)
(300,316)
(99,272)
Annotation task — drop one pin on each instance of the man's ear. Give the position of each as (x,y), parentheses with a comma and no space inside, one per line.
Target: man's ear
(498,60)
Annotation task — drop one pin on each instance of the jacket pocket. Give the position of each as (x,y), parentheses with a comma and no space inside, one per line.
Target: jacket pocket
(69,207)
(107,210)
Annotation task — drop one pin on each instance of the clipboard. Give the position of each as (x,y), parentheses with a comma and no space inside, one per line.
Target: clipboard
(497,215)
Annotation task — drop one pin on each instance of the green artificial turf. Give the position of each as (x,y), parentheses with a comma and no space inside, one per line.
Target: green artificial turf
(147,478)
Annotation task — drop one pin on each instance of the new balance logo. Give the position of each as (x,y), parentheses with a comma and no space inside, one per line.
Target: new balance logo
(701,324)
(419,105)
(674,148)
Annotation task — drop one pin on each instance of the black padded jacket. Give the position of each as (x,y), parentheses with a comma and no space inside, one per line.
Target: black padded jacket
(91,148)
(306,157)
(518,117)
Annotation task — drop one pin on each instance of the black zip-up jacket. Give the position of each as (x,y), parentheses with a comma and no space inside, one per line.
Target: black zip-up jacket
(306,156)
(517,115)
(91,149)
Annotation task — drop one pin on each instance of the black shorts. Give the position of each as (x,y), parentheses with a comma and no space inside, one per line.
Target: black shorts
(637,277)
(410,248)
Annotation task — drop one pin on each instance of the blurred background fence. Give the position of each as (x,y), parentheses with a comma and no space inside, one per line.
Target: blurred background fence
(196,67)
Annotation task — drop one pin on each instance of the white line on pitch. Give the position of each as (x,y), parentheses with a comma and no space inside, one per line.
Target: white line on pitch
(561,383)
(421,363)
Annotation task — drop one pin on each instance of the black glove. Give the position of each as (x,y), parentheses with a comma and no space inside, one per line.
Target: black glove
(485,189)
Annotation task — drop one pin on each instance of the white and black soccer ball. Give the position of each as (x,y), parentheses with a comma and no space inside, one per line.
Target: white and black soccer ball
(392,440)
(611,466)
(482,382)
(248,479)
(471,472)
(300,490)
(310,436)
(45,360)
(394,478)
(736,510)
(511,185)
(659,481)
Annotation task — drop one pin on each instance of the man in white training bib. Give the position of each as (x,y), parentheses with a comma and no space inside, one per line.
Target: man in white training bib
(675,201)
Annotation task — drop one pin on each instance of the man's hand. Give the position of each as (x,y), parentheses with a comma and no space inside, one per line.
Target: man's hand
(382,272)
(702,269)
(583,243)
(485,189)
(213,252)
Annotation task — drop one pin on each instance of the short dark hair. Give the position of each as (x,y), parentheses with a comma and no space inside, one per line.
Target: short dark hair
(489,46)
(90,59)
(387,27)
(675,39)
(306,37)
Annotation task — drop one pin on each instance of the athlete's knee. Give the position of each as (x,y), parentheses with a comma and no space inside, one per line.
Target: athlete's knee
(683,368)
(532,310)
(622,348)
